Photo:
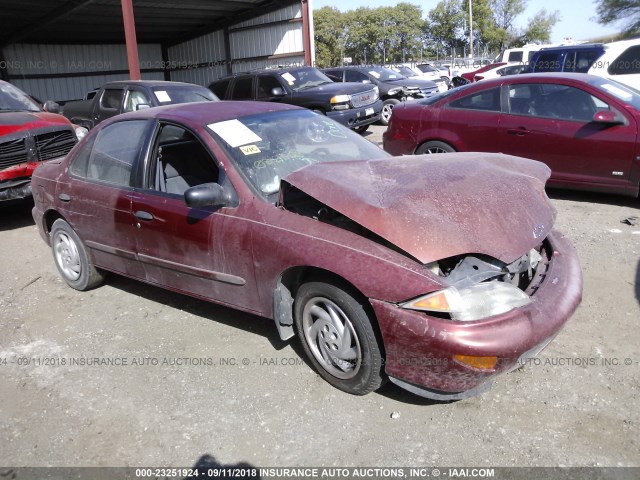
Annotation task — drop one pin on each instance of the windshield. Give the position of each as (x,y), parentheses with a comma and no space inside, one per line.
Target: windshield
(621,92)
(14,99)
(304,78)
(386,74)
(269,146)
(406,71)
(183,94)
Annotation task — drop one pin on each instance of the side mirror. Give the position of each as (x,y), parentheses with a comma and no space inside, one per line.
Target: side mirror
(206,195)
(277,92)
(142,106)
(607,117)
(51,107)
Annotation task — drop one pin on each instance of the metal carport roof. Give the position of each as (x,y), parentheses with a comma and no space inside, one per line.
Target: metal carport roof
(166,22)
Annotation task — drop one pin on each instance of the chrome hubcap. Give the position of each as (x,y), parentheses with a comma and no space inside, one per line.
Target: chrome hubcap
(67,256)
(332,338)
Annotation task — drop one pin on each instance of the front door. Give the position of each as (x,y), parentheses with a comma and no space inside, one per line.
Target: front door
(553,124)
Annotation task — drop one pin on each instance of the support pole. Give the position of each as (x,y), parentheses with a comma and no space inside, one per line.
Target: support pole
(306,33)
(470,29)
(130,35)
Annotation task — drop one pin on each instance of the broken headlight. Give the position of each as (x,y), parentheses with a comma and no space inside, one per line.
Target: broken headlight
(473,302)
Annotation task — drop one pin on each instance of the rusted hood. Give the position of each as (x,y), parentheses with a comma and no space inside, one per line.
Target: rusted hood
(438,206)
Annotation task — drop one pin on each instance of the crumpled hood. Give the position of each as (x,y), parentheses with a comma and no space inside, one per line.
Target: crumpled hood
(438,206)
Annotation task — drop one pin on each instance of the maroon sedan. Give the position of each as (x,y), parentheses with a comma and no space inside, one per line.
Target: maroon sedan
(585,128)
(384,267)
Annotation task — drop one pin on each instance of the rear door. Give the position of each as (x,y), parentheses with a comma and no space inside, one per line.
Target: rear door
(475,119)
(96,201)
(553,123)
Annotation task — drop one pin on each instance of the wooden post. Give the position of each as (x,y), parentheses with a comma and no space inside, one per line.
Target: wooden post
(130,35)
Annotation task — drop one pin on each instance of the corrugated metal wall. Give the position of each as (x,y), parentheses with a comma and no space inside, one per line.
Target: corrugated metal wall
(59,71)
(206,55)
(67,72)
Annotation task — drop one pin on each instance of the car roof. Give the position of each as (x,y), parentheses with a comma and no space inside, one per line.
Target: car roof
(150,83)
(263,71)
(204,113)
(583,46)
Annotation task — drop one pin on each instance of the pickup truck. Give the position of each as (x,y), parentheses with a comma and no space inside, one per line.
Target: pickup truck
(118,97)
(29,134)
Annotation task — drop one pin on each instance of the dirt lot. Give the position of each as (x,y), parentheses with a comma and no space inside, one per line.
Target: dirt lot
(247,397)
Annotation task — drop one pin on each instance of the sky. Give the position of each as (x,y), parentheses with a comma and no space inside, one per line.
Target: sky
(576,16)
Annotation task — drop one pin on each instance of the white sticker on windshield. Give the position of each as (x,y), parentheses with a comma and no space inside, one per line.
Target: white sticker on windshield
(618,92)
(289,78)
(234,132)
(162,96)
(375,74)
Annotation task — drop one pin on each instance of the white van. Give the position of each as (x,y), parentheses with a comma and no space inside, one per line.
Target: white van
(522,54)
(620,62)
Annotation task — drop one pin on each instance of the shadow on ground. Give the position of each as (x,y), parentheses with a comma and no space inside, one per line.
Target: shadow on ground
(16,214)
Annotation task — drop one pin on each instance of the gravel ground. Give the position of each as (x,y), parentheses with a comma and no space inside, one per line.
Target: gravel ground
(249,398)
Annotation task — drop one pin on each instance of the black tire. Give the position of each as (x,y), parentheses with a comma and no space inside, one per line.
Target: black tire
(434,147)
(354,366)
(70,257)
(361,129)
(387,109)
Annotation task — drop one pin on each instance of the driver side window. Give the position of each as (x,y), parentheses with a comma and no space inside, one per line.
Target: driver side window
(180,162)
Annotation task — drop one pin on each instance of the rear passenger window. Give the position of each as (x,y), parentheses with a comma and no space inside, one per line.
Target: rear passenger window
(488,100)
(114,152)
(111,99)
(353,76)
(220,88)
(242,89)
(515,57)
(335,75)
(547,62)
(628,63)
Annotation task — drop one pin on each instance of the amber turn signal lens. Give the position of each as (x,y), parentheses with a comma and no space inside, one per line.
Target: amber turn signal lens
(482,363)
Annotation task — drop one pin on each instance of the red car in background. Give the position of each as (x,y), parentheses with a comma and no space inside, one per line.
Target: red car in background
(28,136)
(471,75)
(585,128)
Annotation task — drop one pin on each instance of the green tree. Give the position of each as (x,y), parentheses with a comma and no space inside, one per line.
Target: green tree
(625,11)
(445,30)
(540,27)
(330,28)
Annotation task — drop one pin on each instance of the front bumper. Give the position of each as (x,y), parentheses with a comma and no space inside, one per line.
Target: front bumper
(420,349)
(357,117)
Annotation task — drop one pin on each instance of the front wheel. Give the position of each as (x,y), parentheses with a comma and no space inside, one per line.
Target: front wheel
(387,110)
(434,147)
(71,258)
(338,337)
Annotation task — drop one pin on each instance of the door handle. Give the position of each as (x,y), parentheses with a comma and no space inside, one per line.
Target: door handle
(142,215)
(520,131)
(64,197)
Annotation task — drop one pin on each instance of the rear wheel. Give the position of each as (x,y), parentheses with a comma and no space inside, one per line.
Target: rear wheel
(361,129)
(338,337)
(387,110)
(71,258)
(434,147)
